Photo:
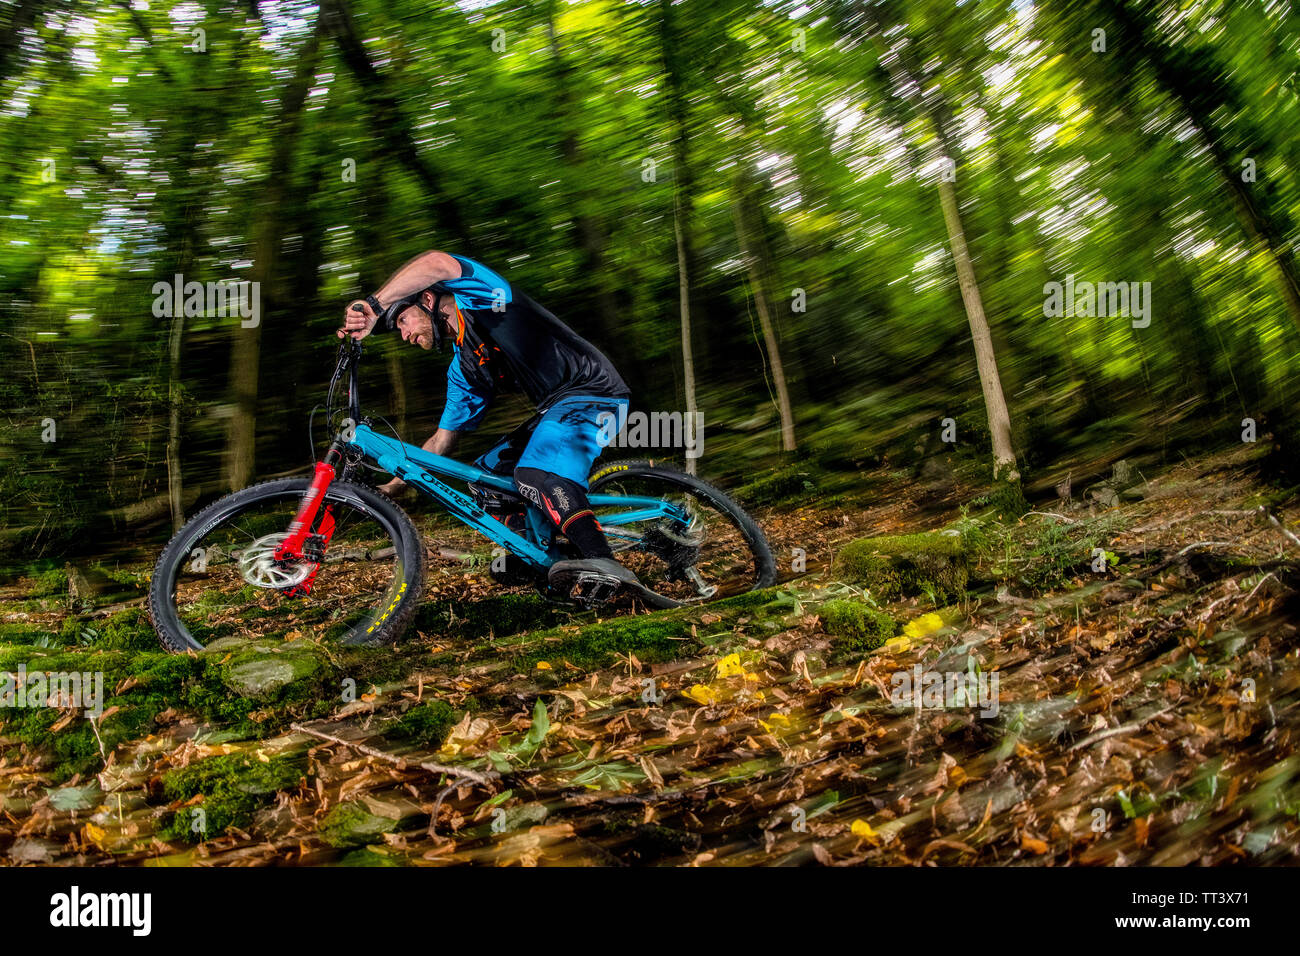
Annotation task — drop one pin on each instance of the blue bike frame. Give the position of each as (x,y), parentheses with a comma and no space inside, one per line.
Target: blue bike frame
(418,467)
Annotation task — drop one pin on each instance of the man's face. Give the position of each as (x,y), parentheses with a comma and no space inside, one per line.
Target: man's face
(416,327)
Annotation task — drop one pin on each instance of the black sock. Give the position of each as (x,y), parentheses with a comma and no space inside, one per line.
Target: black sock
(586,535)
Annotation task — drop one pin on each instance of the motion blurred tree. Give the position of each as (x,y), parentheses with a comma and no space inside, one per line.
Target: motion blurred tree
(275,215)
(886,27)
(313,147)
(1201,86)
(671,43)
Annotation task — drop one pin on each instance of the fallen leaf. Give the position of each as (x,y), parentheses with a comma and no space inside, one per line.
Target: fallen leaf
(923,626)
(730,666)
(862,830)
(1142,827)
(1033,845)
(701,694)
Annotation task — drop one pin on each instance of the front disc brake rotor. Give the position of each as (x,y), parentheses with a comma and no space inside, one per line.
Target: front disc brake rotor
(257,565)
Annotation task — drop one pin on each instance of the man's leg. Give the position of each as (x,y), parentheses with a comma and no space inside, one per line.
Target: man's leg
(566,503)
(552,471)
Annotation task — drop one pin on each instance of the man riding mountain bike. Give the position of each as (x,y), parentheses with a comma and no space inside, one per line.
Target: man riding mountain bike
(504,341)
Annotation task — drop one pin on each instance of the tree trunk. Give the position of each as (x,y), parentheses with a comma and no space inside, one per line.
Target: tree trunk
(905,70)
(683,194)
(175,495)
(751,247)
(588,224)
(241,440)
(181,217)
(1264,225)
(1004,456)
(22,15)
(684,297)
(245,353)
(397,386)
(389,125)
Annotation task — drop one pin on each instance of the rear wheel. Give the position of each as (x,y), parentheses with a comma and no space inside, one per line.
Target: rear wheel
(711,549)
(218,577)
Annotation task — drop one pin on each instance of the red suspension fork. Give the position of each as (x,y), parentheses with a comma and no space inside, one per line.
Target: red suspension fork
(300,527)
(324,533)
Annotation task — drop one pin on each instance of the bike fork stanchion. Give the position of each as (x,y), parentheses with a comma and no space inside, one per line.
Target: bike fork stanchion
(300,527)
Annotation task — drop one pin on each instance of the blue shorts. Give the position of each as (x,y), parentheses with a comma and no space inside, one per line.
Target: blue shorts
(572,434)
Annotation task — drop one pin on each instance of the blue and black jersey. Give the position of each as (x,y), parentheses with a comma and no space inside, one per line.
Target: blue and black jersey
(507,342)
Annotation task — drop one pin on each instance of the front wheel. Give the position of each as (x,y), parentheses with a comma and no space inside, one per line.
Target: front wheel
(218,576)
(708,549)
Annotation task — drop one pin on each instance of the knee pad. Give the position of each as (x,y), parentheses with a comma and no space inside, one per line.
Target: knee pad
(559,497)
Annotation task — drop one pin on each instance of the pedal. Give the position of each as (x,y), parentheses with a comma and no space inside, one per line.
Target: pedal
(591,588)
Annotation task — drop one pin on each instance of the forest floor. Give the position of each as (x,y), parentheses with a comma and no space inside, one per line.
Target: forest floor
(1137,659)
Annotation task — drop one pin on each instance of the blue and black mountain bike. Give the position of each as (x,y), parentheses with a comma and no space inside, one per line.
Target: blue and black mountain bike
(330,555)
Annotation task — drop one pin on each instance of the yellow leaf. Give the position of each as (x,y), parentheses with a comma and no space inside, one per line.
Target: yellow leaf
(701,694)
(923,626)
(862,830)
(543,666)
(730,666)
(775,719)
(96,835)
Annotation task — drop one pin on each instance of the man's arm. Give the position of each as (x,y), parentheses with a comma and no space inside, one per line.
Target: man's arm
(420,273)
(417,274)
(465,408)
(441,443)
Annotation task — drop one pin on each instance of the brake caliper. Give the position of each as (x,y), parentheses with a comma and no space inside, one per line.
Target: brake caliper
(313,550)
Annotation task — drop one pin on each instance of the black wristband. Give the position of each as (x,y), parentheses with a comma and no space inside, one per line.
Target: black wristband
(375,307)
